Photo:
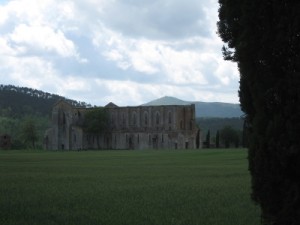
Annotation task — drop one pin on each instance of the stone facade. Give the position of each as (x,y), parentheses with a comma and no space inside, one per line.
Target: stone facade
(140,127)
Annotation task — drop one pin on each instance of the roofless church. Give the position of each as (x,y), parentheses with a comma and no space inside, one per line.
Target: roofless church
(140,127)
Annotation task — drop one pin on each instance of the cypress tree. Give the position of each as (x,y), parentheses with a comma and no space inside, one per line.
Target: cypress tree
(263,37)
(208,139)
(218,139)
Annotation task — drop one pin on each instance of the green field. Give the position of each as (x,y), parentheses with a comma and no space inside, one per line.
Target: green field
(126,188)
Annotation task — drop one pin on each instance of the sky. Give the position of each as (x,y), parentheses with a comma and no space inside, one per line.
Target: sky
(124,51)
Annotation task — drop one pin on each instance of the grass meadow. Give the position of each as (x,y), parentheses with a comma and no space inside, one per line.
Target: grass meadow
(191,187)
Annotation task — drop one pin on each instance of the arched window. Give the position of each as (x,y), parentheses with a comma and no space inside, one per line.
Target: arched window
(134,119)
(170,117)
(112,118)
(157,118)
(191,125)
(146,118)
(124,119)
(64,119)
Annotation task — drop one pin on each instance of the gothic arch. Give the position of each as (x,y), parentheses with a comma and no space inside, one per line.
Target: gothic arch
(146,118)
(169,117)
(134,120)
(157,118)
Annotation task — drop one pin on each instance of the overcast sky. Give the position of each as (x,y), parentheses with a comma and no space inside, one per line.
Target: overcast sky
(123,51)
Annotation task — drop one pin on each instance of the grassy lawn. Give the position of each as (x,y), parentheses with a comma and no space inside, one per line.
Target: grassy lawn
(206,187)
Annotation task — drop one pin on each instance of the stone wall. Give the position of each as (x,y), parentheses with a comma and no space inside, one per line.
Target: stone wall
(141,127)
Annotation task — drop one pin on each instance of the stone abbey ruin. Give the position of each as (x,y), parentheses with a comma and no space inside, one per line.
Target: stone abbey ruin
(139,127)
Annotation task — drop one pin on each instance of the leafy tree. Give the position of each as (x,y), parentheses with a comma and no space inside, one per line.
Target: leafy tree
(17,129)
(96,120)
(6,112)
(229,136)
(263,37)
(29,132)
(8,126)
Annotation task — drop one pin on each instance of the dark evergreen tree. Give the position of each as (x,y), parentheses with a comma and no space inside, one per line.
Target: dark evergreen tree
(198,139)
(208,139)
(245,135)
(263,37)
(217,139)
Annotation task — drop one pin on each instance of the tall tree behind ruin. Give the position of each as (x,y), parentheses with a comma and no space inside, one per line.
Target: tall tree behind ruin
(263,37)
(29,132)
(96,120)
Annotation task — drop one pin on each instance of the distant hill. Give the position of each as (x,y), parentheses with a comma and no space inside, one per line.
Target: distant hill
(167,100)
(203,109)
(20,101)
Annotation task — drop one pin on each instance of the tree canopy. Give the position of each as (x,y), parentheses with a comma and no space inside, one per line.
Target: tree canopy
(96,120)
(229,136)
(29,132)
(20,101)
(263,37)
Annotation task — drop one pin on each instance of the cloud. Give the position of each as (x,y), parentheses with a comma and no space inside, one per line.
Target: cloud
(180,66)
(134,93)
(128,52)
(30,71)
(168,19)
(44,39)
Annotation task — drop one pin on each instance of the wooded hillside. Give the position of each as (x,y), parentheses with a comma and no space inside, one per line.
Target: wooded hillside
(20,101)
(25,114)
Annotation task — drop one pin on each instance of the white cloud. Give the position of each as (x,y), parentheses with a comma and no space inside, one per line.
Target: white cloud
(3,15)
(5,49)
(134,93)
(128,52)
(74,84)
(35,12)
(44,39)
(30,71)
(226,72)
(168,19)
(150,57)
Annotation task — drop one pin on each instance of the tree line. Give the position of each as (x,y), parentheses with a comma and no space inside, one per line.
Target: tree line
(226,137)
(19,101)
(24,132)
(222,132)
(25,114)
